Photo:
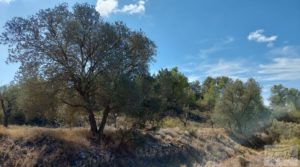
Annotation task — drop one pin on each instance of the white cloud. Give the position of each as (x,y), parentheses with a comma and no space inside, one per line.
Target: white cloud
(192,78)
(280,69)
(107,7)
(258,36)
(233,69)
(6,1)
(134,8)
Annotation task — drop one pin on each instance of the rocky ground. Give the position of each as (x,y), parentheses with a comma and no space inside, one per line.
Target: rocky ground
(172,147)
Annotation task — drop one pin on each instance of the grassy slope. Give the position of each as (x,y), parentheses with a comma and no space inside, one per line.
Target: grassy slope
(32,146)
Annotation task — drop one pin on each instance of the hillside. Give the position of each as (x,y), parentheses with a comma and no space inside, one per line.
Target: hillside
(32,146)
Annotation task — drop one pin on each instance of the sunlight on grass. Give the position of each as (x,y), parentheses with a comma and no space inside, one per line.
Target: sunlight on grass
(74,135)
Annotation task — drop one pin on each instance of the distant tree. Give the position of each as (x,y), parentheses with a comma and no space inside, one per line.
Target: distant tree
(211,91)
(285,103)
(240,106)
(279,95)
(8,96)
(196,88)
(38,101)
(174,92)
(293,98)
(209,94)
(150,103)
(221,83)
(77,48)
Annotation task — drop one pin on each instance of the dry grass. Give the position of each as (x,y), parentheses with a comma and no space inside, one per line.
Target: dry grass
(206,144)
(75,135)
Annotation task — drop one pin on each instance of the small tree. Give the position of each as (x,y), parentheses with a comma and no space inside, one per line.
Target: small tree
(212,90)
(175,93)
(285,103)
(240,107)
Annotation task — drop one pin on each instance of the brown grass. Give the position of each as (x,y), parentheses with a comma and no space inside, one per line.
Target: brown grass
(75,135)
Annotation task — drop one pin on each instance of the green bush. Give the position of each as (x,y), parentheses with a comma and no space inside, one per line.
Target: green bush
(284,130)
(170,122)
(294,116)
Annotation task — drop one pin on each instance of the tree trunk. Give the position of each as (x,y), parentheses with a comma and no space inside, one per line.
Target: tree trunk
(5,120)
(92,121)
(6,112)
(103,121)
(115,119)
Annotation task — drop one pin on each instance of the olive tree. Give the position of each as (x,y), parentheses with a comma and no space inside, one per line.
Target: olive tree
(240,106)
(76,48)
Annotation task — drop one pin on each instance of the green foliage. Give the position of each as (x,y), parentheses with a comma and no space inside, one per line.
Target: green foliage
(279,95)
(38,101)
(285,103)
(68,116)
(8,96)
(77,48)
(240,109)
(174,91)
(212,89)
(284,131)
(150,103)
(73,62)
(196,89)
(169,122)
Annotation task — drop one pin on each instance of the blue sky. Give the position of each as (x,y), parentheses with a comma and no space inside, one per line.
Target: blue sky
(236,38)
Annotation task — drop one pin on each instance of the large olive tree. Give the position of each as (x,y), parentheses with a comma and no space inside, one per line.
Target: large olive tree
(76,48)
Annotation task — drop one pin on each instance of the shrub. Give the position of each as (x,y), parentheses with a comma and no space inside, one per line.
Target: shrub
(283,130)
(170,122)
(286,113)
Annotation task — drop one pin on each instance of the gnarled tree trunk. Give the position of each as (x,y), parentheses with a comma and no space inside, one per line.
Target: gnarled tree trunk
(92,121)
(5,120)
(103,121)
(6,112)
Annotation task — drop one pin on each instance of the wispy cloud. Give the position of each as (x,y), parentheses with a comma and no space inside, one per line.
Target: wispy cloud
(235,69)
(258,36)
(6,1)
(108,7)
(217,46)
(287,69)
(285,51)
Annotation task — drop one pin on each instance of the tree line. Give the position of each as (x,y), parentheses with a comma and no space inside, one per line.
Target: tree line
(75,67)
